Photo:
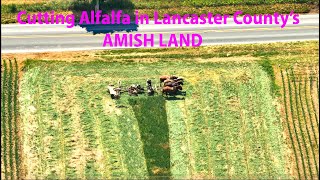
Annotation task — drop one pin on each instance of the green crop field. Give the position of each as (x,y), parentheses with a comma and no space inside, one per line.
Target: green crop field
(249,112)
(10,144)
(209,134)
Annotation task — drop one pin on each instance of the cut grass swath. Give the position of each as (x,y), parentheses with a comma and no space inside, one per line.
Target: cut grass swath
(299,121)
(306,128)
(287,122)
(294,125)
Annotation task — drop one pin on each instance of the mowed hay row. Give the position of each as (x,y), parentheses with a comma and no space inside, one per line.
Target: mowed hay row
(225,127)
(226,108)
(301,122)
(77,134)
(10,129)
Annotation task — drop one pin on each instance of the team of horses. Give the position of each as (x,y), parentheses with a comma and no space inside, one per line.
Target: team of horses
(170,85)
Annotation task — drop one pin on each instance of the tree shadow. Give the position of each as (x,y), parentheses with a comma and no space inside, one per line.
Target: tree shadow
(106,6)
(152,119)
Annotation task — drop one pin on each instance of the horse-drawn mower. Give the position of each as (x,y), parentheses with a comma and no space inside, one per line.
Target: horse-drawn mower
(169,85)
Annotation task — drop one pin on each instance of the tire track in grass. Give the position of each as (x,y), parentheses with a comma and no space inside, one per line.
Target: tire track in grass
(4,119)
(299,122)
(179,148)
(287,122)
(307,129)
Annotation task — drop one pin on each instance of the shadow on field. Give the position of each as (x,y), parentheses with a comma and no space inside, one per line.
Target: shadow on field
(106,7)
(152,119)
(174,98)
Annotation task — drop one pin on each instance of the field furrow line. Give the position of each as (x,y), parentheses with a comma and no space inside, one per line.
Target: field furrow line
(304,146)
(285,102)
(307,129)
(16,123)
(10,117)
(4,115)
(294,124)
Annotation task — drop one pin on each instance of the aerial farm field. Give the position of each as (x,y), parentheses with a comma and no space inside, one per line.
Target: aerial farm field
(250,111)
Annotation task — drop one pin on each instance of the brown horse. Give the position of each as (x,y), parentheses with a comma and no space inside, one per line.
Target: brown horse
(163,78)
(171,90)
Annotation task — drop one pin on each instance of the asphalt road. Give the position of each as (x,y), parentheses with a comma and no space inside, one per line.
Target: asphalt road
(16,38)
